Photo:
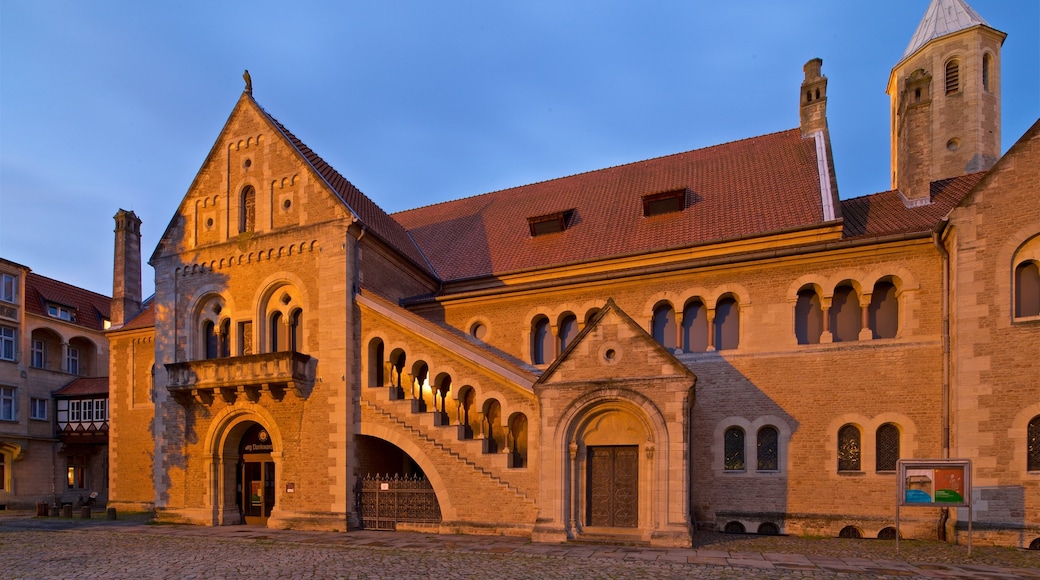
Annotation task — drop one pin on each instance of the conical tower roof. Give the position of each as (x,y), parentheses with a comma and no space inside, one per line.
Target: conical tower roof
(943,17)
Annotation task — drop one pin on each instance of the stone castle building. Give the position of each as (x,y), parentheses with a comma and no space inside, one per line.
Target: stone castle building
(711,339)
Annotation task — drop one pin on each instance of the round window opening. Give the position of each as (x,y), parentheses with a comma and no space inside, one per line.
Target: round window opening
(287,204)
(609,355)
(217,309)
(479,331)
(247,163)
(209,223)
(953,144)
(286,298)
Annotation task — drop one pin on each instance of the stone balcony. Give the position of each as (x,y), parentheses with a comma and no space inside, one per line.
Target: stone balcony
(251,376)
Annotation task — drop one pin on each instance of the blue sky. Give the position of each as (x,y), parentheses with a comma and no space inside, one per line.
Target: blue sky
(107,105)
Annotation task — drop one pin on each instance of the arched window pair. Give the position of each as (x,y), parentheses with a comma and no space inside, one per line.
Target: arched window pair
(217,339)
(285,331)
(696,332)
(545,347)
(850,449)
(767,449)
(846,317)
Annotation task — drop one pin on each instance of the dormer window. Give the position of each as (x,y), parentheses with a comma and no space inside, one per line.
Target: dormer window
(61,312)
(665,202)
(549,224)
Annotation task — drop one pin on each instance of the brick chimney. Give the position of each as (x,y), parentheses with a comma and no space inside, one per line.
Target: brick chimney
(126,274)
(814,98)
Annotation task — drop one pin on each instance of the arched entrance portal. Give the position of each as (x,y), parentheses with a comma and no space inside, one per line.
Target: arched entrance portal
(392,492)
(255,475)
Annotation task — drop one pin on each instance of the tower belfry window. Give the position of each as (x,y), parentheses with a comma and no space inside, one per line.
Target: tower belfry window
(953,77)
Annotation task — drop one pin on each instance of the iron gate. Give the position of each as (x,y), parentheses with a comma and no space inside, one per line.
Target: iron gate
(385,501)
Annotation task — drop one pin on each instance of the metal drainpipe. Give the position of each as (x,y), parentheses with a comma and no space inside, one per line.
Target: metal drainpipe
(940,228)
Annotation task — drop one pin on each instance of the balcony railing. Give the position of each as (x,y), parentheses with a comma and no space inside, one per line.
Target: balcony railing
(249,376)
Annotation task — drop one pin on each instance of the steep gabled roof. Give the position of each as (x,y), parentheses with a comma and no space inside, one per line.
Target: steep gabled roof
(371,215)
(91,309)
(883,214)
(943,17)
(745,188)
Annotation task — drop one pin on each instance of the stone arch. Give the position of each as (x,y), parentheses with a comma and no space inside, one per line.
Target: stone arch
(596,419)
(447,504)
(221,445)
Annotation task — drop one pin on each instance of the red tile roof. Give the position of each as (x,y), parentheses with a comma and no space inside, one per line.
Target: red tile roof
(883,213)
(745,188)
(84,386)
(372,216)
(144,319)
(91,308)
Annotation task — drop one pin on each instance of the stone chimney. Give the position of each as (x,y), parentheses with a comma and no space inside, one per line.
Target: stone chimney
(814,98)
(126,274)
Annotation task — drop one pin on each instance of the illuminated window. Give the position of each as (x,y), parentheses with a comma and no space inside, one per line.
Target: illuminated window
(76,469)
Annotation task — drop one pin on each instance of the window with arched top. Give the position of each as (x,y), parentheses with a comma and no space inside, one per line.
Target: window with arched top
(209,336)
(376,376)
(1027,289)
(846,314)
(695,327)
(733,449)
(886,446)
(768,449)
(541,340)
(883,313)
(224,339)
(517,441)
(808,317)
(276,333)
(663,324)
(849,448)
(727,324)
(1033,445)
(247,210)
(295,330)
(987,65)
(953,76)
(568,329)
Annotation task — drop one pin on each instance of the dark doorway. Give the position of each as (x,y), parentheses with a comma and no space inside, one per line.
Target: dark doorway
(612,492)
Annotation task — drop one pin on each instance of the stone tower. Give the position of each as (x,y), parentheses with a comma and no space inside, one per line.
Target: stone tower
(126,278)
(812,113)
(945,100)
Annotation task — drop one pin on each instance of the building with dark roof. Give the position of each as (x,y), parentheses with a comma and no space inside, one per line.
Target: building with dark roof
(51,342)
(707,340)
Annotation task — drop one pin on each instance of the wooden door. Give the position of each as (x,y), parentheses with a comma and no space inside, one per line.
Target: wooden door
(612,490)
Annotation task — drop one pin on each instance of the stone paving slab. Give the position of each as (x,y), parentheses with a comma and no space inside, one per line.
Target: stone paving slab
(40,548)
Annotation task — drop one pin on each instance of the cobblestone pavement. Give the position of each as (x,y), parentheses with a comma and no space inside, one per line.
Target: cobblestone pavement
(131,548)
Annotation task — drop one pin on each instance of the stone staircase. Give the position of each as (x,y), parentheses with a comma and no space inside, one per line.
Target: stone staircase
(482,487)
